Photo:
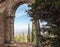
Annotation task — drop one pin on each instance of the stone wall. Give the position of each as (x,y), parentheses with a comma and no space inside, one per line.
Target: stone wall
(1,30)
(7,14)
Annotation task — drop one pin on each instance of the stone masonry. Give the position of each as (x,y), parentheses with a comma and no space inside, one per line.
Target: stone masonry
(7,15)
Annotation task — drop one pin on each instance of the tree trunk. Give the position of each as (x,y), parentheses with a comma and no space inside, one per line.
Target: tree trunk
(37,28)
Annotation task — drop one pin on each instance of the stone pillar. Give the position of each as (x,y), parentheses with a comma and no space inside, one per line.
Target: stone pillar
(9,29)
(1,30)
(12,28)
(37,28)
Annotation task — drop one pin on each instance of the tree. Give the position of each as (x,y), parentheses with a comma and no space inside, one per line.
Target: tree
(49,11)
(29,35)
(33,33)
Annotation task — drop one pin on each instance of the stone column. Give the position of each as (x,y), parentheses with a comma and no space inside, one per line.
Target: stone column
(1,30)
(12,28)
(9,29)
(7,39)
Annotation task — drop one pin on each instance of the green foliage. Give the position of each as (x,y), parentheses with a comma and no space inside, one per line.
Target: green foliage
(17,39)
(33,36)
(20,38)
(54,39)
(42,39)
(47,10)
(33,33)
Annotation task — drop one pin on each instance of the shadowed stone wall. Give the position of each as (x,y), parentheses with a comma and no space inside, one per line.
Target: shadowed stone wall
(2,29)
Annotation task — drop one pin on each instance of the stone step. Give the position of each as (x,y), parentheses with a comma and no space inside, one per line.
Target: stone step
(20,45)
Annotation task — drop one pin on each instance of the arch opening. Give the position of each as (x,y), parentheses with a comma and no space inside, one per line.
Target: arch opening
(21,22)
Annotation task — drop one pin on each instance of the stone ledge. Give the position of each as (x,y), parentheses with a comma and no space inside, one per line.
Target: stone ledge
(10,45)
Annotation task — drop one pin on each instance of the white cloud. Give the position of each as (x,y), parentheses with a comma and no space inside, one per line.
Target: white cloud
(21,13)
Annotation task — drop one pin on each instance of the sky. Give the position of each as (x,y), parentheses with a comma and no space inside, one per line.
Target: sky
(21,19)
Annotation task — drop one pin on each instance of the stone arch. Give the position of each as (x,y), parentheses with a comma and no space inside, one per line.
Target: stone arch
(15,6)
(11,9)
(8,8)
